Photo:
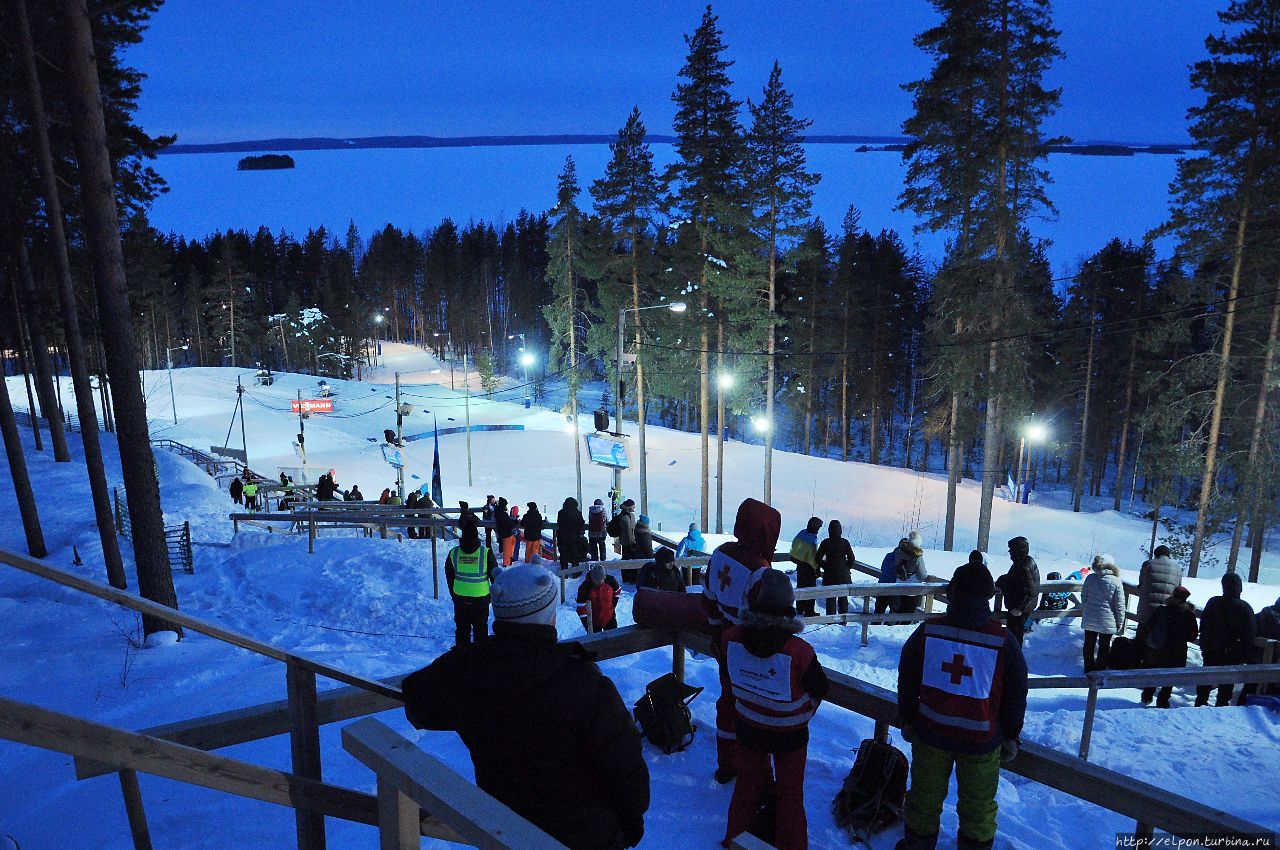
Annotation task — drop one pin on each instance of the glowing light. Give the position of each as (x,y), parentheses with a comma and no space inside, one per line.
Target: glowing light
(1037,433)
(725,380)
(526,359)
(761,424)
(677,307)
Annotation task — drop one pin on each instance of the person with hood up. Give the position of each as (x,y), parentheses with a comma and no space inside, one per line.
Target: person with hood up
(597,531)
(734,571)
(623,527)
(692,542)
(385,497)
(571,535)
(569,759)
(661,573)
(804,554)
(962,698)
(354,494)
(1156,580)
(236,489)
(1020,586)
(469,570)
(598,600)
(777,684)
(531,526)
(835,562)
(1227,632)
(908,566)
(1103,615)
(1268,625)
(505,528)
(1172,626)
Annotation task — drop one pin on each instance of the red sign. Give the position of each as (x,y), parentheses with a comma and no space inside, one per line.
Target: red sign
(312,405)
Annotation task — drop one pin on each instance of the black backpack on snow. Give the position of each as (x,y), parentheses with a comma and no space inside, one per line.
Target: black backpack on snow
(873,793)
(663,713)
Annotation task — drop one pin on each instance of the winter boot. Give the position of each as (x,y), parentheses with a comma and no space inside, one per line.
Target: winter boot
(911,841)
(966,843)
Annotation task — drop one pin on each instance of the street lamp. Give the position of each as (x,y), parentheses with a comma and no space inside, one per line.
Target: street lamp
(526,360)
(1035,432)
(726,380)
(761,424)
(378,319)
(674,307)
(173,399)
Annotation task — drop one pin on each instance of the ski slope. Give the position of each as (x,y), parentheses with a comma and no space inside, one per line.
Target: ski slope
(366,605)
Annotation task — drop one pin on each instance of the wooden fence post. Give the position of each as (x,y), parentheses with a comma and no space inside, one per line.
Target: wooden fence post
(304,746)
(677,658)
(866,624)
(435,568)
(115,497)
(398,819)
(1091,706)
(311,532)
(133,808)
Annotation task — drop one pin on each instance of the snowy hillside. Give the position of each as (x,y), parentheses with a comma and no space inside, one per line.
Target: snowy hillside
(366,606)
(1098,197)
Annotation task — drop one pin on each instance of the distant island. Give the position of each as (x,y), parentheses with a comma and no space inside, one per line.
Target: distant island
(265,162)
(865,144)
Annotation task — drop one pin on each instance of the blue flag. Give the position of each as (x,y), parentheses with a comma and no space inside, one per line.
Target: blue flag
(437,489)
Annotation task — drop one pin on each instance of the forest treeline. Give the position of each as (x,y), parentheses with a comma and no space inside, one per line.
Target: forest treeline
(1154,373)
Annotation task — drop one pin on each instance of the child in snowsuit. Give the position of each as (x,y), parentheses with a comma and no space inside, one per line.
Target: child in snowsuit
(777,684)
(598,600)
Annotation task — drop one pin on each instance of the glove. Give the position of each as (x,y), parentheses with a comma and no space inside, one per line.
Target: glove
(1008,751)
(632,830)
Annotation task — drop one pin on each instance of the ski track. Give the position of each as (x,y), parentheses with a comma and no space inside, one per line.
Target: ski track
(72,653)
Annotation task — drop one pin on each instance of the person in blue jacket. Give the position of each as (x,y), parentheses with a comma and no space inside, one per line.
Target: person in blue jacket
(692,542)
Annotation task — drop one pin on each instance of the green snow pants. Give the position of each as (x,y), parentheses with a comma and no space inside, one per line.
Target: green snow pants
(977,778)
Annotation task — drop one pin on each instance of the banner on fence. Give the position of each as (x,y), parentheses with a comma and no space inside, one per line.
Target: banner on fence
(227,451)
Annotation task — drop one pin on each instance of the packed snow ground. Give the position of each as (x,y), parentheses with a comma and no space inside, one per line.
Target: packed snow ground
(366,606)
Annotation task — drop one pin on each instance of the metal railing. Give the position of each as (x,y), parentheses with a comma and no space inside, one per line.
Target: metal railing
(177,538)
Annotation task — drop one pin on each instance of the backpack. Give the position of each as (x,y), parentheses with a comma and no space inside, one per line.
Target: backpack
(1055,600)
(873,793)
(663,713)
(1157,631)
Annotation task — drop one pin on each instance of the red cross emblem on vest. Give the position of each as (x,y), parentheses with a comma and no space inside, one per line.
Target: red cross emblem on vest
(723,575)
(957,669)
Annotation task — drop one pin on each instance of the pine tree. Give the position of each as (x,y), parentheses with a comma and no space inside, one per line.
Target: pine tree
(974,169)
(566,249)
(707,178)
(626,199)
(1221,198)
(781,190)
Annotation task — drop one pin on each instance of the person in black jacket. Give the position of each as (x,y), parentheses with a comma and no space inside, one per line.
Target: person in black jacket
(1227,631)
(661,573)
(411,501)
(505,528)
(531,525)
(1020,586)
(835,563)
(236,490)
(571,535)
(1165,637)
(548,734)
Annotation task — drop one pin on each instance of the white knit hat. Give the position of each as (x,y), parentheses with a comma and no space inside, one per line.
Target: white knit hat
(524,594)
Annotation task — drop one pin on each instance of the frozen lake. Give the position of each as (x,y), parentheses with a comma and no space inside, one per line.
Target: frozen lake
(1098,197)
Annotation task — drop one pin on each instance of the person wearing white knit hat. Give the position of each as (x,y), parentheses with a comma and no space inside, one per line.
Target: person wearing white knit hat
(548,734)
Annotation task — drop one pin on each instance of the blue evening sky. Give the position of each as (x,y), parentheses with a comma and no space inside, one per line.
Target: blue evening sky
(222,70)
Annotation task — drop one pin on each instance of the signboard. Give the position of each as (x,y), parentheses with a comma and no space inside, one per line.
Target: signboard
(608,451)
(393,456)
(227,451)
(312,405)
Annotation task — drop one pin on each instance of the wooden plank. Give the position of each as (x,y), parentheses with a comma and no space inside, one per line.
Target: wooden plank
(747,841)
(50,730)
(478,818)
(398,818)
(134,810)
(1160,676)
(172,615)
(304,749)
(914,588)
(239,726)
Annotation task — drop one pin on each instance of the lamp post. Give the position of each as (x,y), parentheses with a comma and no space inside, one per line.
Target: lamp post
(674,307)
(173,399)
(378,318)
(1035,433)
(526,360)
(724,383)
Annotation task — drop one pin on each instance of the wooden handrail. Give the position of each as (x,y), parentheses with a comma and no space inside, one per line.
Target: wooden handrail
(409,779)
(85,739)
(172,615)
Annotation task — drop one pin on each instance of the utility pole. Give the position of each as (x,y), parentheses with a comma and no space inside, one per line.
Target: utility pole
(399,441)
(302,436)
(466,386)
(244,443)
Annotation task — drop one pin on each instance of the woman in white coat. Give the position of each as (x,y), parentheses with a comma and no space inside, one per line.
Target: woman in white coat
(1103,602)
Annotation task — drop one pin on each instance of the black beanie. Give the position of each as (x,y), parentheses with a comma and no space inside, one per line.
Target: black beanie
(971,581)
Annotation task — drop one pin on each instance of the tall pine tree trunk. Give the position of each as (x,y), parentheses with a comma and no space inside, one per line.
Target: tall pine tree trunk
(102,233)
(21,480)
(573,365)
(844,384)
(1219,393)
(640,406)
(954,463)
(1123,449)
(771,376)
(719,428)
(23,362)
(1077,492)
(41,369)
(76,357)
(990,445)
(1252,477)
(704,367)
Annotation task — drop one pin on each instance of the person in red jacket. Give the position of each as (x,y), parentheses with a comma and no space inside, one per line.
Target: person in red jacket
(732,575)
(962,695)
(776,683)
(598,600)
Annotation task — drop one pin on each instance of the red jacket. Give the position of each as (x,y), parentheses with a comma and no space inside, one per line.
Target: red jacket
(776,683)
(600,599)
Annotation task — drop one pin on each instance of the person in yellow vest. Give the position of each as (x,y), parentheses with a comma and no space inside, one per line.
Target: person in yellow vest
(251,496)
(469,570)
